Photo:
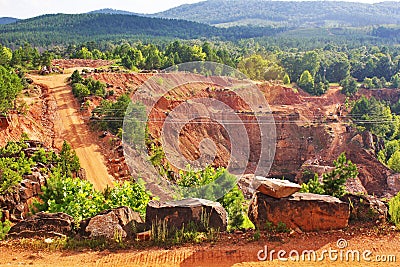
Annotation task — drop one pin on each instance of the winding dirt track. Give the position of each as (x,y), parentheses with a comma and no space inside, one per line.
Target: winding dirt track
(73,129)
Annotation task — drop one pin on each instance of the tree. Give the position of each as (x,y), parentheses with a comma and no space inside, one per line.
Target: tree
(10,87)
(395,81)
(349,86)
(286,79)
(311,62)
(5,55)
(68,161)
(79,90)
(374,116)
(76,77)
(394,161)
(334,181)
(306,82)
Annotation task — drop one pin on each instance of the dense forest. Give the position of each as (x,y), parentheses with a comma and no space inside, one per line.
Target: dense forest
(49,30)
(287,13)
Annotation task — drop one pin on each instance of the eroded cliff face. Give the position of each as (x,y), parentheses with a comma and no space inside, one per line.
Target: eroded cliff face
(306,135)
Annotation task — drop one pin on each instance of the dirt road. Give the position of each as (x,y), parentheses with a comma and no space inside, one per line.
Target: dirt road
(232,250)
(73,129)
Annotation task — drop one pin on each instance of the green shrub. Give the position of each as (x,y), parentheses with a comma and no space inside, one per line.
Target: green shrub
(201,184)
(80,90)
(394,210)
(4,227)
(333,183)
(313,186)
(79,199)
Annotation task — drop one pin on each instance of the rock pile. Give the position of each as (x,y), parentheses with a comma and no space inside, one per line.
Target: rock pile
(278,202)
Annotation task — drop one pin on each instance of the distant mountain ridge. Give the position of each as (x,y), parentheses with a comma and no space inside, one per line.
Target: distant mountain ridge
(113,11)
(286,13)
(75,28)
(7,20)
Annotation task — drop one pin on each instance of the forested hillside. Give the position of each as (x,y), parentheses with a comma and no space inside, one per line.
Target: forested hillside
(49,30)
(7,20)
(287,13)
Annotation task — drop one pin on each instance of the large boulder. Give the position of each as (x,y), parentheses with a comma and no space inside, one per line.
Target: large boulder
(177,214)
(44,225)
(276,188)
(301,211)
(111,223)
(365,208)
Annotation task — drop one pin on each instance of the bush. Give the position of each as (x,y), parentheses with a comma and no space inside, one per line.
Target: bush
(79,199)
(4,227)
(13,165)
(333,183)
(79,90)
(394,210)
(349,86)
(200,184)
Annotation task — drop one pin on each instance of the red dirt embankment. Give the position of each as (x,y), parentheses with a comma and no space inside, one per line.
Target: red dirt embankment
(231,250)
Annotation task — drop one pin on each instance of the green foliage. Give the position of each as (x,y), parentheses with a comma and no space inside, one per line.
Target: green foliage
(73,196)
(80,91)
(13,165)
(112,114)
(4,227)
(76,77)
(68,161)
(394,161)
(79,199)
(306,82)
(395,81)
(258,68)
(95,87)
(313,186)
(279,228)
(286,79)
(349,86)
(394,210)
(374,116)
(333,183)
(129,194)
(203,182)
(10,87)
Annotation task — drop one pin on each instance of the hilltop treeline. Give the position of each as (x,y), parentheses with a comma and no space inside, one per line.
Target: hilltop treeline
(288,13)
(375,66)
(50,30)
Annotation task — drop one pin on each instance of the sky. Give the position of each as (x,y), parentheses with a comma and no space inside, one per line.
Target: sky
(30,8)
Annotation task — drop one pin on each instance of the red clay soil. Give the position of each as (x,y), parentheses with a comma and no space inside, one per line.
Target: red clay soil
(230,250)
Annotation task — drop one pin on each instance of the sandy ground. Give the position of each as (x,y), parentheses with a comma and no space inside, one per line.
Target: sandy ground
(232,250)
(72,128)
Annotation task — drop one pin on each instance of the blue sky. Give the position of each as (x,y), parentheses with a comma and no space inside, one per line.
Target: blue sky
(30,8)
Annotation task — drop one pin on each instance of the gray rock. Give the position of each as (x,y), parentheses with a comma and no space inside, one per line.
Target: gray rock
(119,221)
